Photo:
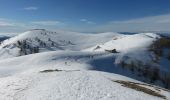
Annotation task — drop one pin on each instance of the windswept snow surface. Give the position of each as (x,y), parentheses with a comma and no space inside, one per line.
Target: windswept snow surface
(75,72)
(21,79)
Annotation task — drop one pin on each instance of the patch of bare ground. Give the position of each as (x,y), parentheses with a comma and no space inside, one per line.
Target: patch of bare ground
(136,86)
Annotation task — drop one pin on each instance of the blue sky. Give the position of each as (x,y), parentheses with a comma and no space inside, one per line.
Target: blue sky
(85,15)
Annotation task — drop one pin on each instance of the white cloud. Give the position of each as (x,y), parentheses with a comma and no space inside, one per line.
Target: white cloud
(5,24)
(31,8)
(12,26)
(87,21)
(46,23)
(152,23)
(152,19)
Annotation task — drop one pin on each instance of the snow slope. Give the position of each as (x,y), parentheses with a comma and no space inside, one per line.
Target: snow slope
(128,43)
(23,80)
(130,47)
(77,66)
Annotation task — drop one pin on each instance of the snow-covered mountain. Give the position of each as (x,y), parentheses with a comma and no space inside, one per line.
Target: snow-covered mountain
(40,64)
(43,40)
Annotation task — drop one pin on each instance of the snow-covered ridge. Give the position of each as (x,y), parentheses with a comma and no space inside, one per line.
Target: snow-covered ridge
(128,43)
(51,41)
(44,65)
(55,36)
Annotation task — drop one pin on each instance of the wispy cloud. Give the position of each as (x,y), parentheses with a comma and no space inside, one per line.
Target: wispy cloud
(152,23)
(10,26)
(31,8)
(87,21)
(90,22)
(5,23)
(46,23)
(152,19)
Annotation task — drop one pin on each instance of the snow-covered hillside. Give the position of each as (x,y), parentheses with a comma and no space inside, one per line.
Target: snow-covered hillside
(26,42)
(45,65)
(68,75)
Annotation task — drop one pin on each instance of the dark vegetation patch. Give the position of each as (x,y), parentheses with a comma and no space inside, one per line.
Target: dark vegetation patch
(56,70)
(26,48)
(128,33)
(155,87)
(168,56)
(148,71)
(50,70)
(98,47)
(137,87)
(151,73)
(158,49)
(112,51)
(159,45)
